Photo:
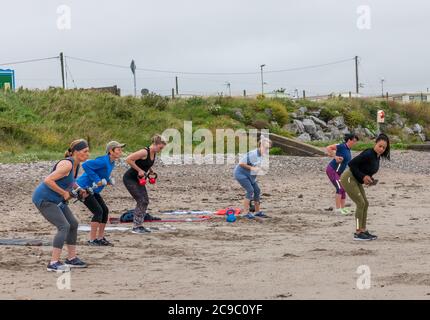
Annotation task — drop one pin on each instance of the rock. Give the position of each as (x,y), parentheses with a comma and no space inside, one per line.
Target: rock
(339,122)
(320,136)
(369,133)
(302,111)
(417,128)
(316,113)
(305,137)
(295,127)
(268,112)
(334,133)
(395,139)
(310,126)
(408,131)
(238,114)
(293,115)
(422,137)
(319,121)
(398,121)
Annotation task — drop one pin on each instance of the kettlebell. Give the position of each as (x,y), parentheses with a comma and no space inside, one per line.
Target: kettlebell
(230,217)
(142,181)
(152,178)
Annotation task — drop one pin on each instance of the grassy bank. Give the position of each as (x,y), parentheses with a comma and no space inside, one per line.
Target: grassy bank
(39,125)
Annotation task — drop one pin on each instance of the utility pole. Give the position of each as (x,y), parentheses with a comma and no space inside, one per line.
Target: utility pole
(228,84)
(177,85)
(62,69)
(357,84)
(133,70)
(262,79)
(382,86)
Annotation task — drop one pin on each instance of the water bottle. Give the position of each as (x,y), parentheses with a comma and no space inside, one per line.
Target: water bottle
(230,217)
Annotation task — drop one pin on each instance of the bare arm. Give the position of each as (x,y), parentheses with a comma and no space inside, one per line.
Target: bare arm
(331,150)
(62,170)
(132,158)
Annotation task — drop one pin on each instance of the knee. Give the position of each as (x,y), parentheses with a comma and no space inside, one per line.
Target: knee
(342,193)
(65,227)
(73,225)
(249,194)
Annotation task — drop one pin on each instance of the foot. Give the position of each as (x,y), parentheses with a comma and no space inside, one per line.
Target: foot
(249,215)
(148,217)
(104,242)
(140,230)
(57,267)
(261,214)
(345,211)
(361,237)
(94,243)
(75,263)
(371,236)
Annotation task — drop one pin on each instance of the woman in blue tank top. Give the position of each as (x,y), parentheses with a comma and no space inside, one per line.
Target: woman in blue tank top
(50,198)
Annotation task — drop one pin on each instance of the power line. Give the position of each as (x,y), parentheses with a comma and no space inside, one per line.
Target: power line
(28,61)
(212,73)
(68,71)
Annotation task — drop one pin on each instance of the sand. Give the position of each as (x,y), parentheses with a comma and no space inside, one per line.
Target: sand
(303,252)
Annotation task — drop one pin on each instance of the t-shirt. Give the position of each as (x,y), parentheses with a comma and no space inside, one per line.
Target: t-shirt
(252,158)
(342,150)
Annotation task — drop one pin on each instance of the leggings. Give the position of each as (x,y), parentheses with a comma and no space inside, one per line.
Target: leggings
(98,207)
(356,192)
(335,180)
(64,220)
(139,194)
(252,189)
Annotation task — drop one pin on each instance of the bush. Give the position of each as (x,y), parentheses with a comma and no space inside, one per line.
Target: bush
(275,151)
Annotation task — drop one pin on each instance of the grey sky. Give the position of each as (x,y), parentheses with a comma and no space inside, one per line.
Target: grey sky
(221,36)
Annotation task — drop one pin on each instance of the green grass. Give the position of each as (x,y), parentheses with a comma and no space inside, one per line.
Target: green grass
(40,124)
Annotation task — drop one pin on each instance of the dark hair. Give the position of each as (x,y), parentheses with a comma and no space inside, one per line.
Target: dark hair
(384,137)
(350,136)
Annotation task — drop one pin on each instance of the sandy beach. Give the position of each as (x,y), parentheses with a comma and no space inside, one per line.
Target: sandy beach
(305,251)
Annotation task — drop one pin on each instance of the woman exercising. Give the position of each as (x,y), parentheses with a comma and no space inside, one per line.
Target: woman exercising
(98,174)
(341,154)
(361,171)
(141,163)
(246,174)
(50,198)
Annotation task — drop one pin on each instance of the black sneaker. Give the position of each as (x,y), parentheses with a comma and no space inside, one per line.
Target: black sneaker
(371,236)
(57,267)
(94,243)
(148,217)
(75,263)
(140,230)
(361,237)
(104,242)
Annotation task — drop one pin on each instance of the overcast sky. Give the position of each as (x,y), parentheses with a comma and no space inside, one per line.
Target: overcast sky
(227,36)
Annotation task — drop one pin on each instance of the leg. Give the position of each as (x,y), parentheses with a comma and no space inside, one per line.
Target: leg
(352,187)
(139,194)
(93,205)
(257,192)
(51,212)
(72,235)
(335,180)
(102,225)
(247,185)
(365,208)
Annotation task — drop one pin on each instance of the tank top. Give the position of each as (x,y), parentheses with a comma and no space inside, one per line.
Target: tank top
(144,164)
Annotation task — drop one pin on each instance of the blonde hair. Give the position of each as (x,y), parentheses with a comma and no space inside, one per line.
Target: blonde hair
(69,152)
(158,139)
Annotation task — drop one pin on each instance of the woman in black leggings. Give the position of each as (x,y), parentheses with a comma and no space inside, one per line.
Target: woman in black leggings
(141,163)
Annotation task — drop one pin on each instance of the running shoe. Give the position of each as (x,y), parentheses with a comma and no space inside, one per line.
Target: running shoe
(140,230)
(249,215)
(104,242)
(261,214)
(75,263)
(345,211)
(57,267)
(372,236)
(94,243)
(148,217)
(361,237)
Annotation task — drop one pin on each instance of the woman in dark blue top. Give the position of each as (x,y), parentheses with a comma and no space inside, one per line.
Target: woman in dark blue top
(361,171)
(341,154)
(51,196)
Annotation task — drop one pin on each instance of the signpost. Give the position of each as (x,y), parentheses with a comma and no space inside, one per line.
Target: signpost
(380,119)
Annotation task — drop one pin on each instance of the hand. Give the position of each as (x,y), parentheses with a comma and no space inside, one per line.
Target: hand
(66,195)
(338,159)
(141,173)
(367,180)
(84,194)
